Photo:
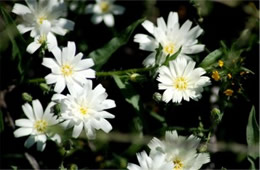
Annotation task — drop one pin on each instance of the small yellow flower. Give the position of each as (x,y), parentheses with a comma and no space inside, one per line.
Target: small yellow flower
(220,63)
(229,75)
(229,92)
(215,75)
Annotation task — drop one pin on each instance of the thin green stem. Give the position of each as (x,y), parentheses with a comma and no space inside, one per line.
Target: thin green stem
(122,72)
(36,80)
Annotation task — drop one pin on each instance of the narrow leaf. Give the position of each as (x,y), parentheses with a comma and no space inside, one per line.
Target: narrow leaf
(102,55)
(252,134)
(211,59)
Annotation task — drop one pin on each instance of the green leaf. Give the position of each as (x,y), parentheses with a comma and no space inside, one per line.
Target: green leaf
(252,134)
(1,121)
(172,57)
(252,163)
(12,32)
(102,55)
(128,92)
(210,59)
(133,98)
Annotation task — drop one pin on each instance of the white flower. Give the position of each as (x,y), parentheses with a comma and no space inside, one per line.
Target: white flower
(44,10)
(181,81)
(171,36)
(38,125)
(156,162)
(67,69)
(180,150)
(85,109)
(104,10)
(46,38)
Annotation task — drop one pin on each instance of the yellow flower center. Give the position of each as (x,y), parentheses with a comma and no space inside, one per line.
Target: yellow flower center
(178,165)
(169,48)
(220,63)
(104,6)
(229,76)
(41,19)
(228,92)
(66,70)
(215,75)
(42,39)
(40,126)
(180,83)
(83,110)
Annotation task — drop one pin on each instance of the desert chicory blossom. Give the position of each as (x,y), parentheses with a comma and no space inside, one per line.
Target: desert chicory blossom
(67,69)
(181,81)
(104,10)
(171,36)
(44,39)
(38,125)
(84,109)
(156,162)
(180,150)
(44,10)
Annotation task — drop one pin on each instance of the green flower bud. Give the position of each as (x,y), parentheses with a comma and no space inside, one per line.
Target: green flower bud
(216,115)
(27,97)
(45,87)
(157,97)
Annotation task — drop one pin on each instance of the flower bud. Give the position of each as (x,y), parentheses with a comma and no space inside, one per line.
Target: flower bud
(27,97)
(157,97)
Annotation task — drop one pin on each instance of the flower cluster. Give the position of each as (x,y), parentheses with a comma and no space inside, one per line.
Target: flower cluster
(175,152)
(83,107)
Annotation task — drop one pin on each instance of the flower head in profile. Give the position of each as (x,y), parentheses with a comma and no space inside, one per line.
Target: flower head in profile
(180,150)
(35,13)
(67,69)
(104,10)
(44,39)
(38,125)
(171,36)
(84,109)
(157,161)
(181,81)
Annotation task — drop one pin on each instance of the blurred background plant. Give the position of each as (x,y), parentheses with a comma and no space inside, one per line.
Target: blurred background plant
(224,118)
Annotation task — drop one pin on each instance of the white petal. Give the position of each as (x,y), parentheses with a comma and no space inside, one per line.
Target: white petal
(23,28)
(109,20)
(50,63)
(118,10)
(149,60)
(51,78)
(149,26)
(172,20)
(51,42)
(29,142)
(22,132)
(33,47)
(105,125)
(96,19)
(62,26)
(89,9)
(77,130)
(161,23)
(28,111)
(41,146)
(143,38)
(193,49)
(60,85)
(32,4)
(57,54)
(37,108)
(71,49)
(20,9)
(24,123)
